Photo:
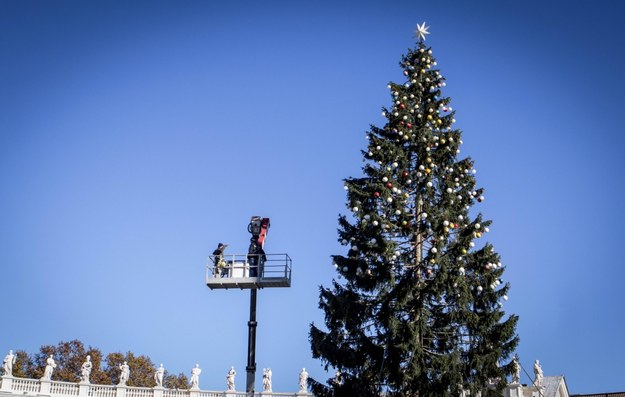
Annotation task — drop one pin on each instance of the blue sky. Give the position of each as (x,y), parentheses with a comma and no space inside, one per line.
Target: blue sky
(135,136)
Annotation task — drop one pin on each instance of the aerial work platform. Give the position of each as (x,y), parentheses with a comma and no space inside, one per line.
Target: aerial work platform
(253,271)
(241,271)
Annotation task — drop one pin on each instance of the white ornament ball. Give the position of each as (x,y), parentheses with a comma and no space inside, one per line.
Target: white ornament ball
(434,250)
(390,199)
(479,288)
(345,268)
(344,242)
(355,209)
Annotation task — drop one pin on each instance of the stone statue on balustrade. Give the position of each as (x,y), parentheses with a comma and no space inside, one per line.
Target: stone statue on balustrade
(230,379)
(85,370)
(195,377)
(267,380)
(158,376)
(303,381)
(7,364)
(50,365)
(538,373)
(516,370)
(124,375)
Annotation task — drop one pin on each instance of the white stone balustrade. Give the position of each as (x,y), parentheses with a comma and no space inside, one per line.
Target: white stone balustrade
(19,387)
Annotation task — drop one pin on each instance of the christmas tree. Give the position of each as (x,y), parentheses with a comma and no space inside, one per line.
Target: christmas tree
(416,309)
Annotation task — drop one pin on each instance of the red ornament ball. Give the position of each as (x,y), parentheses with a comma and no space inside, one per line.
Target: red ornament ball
(409,125)
(389,185)
(404,174)
(376,194)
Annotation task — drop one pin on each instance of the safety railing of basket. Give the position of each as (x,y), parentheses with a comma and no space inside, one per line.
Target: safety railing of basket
(249,265)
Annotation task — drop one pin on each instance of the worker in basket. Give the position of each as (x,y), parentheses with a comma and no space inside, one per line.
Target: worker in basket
(220,262)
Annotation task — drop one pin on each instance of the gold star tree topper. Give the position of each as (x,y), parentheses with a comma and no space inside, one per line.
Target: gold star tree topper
(422,30)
